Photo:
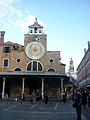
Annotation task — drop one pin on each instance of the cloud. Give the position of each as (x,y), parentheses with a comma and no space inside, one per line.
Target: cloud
(27,21)
(12,16)
(7,12)
(6,2)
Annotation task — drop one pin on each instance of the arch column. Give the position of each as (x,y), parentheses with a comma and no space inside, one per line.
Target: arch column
(23,84)
(62,86)
(42,93)
(3,89)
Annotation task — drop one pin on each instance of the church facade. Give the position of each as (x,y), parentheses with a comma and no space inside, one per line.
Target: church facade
(28,67)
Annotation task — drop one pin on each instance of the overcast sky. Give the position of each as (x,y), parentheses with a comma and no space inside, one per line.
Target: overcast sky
(66,23)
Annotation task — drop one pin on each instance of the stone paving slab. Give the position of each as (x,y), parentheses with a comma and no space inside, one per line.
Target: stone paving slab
(38,111)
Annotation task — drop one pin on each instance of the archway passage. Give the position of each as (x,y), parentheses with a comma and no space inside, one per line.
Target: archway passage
(13,87)
(33,84)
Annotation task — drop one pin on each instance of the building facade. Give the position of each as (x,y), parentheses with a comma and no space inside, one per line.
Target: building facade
(28,67)
(83,70)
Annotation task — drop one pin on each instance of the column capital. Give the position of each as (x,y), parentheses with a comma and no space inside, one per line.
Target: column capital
(4,78)
(23,78)
(62,78)
(42,78)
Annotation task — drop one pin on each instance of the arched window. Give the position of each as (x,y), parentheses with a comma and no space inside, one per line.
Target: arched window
(29,67)
(39,67)
(51,70)
(17,69)
(34,66)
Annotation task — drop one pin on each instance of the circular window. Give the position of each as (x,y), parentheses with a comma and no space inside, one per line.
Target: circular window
(51,60)
(18,60)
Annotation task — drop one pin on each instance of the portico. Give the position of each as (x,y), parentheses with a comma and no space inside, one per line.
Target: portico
(29,81)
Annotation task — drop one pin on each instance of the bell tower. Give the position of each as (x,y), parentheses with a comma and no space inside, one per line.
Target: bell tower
(35,33)
(35,28)
(71,67)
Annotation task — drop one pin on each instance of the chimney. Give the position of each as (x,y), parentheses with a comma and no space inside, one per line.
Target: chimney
(85,50)
(88,44)
(2,34)
(2,37)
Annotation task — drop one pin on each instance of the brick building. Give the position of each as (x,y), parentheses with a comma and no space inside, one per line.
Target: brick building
(28,67)
(83,70)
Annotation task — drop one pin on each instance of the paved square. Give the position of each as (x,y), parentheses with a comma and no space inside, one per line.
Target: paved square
(39,111)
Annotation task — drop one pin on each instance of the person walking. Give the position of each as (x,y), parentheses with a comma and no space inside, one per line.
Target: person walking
(84,98)
(0,97)
(89,99)
(64,96)
(23,97)
(33,96)
(46,98)
(78,101)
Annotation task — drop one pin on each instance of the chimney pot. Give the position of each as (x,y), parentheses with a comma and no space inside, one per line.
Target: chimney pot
(88,44)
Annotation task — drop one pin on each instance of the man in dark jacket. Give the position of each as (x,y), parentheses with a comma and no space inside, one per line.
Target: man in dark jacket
(78,100)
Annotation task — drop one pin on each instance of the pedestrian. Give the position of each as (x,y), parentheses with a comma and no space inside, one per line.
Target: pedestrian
(64,96)
(33,96)
(78,102)
(89,99)
(38,95)
(0,97)
(84,98)
(46,98)
(23,97)
(6,97)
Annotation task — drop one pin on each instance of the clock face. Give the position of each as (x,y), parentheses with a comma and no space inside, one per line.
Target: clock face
(35,50)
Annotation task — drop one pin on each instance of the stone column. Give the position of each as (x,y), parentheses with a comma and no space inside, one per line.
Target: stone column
(61,86)
(42,88)
(59,91)
(3,89)
(23,82)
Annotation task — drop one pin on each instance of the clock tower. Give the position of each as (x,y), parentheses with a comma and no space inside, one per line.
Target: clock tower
(35,41)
